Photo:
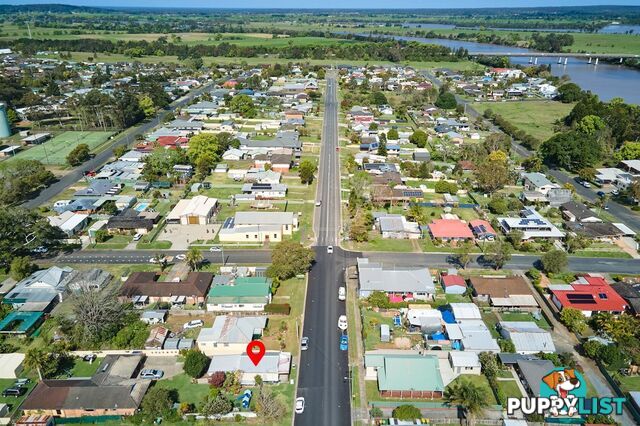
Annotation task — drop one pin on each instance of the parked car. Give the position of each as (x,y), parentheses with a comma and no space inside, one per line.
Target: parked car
(585,184)
(137,237)
(41,250)
(215,249)
(601,194)
(318,203)
(330,249)
(21,382)
(181,256)
(342,293)
(89,357)
(16,392)
(156,260)
(342,322)
(151,374)
(299,405)
(193,324)
(344,342)
(615,192)
(304,343)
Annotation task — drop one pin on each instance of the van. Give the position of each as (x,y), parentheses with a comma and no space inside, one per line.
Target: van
(13,392)
(342,293)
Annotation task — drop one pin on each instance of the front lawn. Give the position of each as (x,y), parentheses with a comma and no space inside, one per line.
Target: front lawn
(510,388)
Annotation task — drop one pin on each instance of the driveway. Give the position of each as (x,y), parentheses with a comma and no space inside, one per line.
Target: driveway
(168,364)
(182,236)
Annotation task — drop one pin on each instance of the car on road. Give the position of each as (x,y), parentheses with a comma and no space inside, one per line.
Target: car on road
(304,343)
(193,324)
(344,342)
(16,392)
(181,256)
(41,249)
(585,184)
(330,249)
(601,194)
(342,293)
(606,207)
(615,192)
(158,260)
(299,405)
(149,373)
(318,203)
(342,322)
(215,249)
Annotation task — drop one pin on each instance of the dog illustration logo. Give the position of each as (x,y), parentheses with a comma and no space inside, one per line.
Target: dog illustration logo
(565,386)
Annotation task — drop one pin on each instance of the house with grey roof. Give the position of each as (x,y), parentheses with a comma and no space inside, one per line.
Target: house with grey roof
(258,227)
(273,368)
(531,371)
(40,291)
(537,182)
(230,334)
(187,125)
(527,337)
(396,282)
(575,211)
(396,226)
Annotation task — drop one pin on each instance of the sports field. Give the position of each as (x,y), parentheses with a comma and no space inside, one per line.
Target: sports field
(54,152)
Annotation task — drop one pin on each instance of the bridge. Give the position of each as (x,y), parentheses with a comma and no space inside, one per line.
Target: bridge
(558,55)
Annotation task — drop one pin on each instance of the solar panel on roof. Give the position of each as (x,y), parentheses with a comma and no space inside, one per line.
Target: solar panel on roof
(584,299)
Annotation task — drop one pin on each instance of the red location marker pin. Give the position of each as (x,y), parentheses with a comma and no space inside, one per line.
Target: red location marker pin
(255,351)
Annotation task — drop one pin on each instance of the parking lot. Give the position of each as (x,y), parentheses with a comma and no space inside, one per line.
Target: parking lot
(182,236)
(168,364)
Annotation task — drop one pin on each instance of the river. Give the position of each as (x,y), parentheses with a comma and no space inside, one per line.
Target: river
(606,80)
(608,29)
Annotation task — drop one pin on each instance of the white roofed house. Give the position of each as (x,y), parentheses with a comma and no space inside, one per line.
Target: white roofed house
(398,227)
(527,337)
(230,334)
(531,223)
(70,223)
(258,227)
(398,283)
(463,362)
(273,368)
(198,210)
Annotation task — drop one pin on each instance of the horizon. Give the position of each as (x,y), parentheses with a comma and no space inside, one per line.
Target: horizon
(330,4)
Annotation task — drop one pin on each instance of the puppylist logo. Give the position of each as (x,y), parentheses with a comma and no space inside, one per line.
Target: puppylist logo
(563,393)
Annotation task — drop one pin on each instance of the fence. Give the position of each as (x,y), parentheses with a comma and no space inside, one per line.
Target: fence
(86,420)
(452,205)
(619,392)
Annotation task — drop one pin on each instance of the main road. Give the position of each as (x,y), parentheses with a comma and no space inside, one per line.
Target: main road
(102,157)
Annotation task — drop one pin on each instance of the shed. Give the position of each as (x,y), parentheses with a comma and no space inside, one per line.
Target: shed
(11,365)
(385,333)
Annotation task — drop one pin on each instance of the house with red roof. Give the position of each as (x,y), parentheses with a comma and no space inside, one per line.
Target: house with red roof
(590,294)
(168,142)
(453,283)
(482,230)
(450,230)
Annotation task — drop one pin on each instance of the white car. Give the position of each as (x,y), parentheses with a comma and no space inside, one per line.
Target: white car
(342,293)
(137,237)
(330,250)
(151,374)
(586,184)
(215,249)
(181,256)
(304,343)
(318,203)
(193,324)
(342,322)
(155,260)
(299,405)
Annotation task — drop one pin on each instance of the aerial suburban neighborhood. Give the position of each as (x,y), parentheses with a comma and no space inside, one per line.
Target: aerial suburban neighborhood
(228,216)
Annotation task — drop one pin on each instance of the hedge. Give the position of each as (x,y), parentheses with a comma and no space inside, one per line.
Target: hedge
(278,308)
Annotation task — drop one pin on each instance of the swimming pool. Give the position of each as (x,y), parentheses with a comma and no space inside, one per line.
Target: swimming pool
(140,207)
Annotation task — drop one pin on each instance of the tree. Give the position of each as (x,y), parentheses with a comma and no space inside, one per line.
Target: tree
(569,93)
(628,151)
(359,230)
(218,405)
(194,258)
(417,214)
(554,261)
(406,412)
(99,315)
(419,138)
(592,348)
(131,336)
(20,178)
(195,363)
(446,100)
(378,98)
(470,397)
(587,173)
(217,379)
(288,259)
(392,134)
(21,267)
(268,406)
(78,155)
(498,205)
(147,106)
(492,173)
(382,148)
(119,151)
(158,401)
(463,257)
(499,253)
(36,358)
(306,171)
(243,105)
(573,319)
(203,146)
(444,187)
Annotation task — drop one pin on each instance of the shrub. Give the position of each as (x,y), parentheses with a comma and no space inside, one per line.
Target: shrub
(406,412)
(195,363)
(217,379)
(278,308)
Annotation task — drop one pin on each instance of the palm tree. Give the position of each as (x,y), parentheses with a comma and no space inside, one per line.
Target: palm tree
(161,260)
(194,257)
(36,358)
(470,397)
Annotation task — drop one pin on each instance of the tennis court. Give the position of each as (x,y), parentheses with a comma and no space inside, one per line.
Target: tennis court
(54,152)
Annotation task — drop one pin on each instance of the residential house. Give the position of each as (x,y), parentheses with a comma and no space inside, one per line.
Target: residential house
(530,372)
(240,294)
(68,222)
(397,227)
(188,125)
(425,320)
(537,182)
(258,227)
(575,211)
(156,316)
(192,290)
(230,335)
(590,294)
(613,176)
(450,230)
(482,230)
(277,162)
(114,390)
(629,291)
(273,368)
(532,225)
(130,221)
(265,191)
(597,231)
(40,291)
(452,283)
(389,369)
(398,283)
(527,337)
(463,362)
(465,311)
(506,292)
(198,210)
(11,365)
(471,335)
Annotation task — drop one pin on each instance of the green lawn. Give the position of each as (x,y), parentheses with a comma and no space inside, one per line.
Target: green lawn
(480,380)
(536,118)
(377,243)
(83,368)
(187,391)
(524,316)
(54,151)
(371,322)
(627,383)
(14,402)
(510,388)
(490,319)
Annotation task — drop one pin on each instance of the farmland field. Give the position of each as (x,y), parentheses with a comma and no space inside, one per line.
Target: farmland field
(55,151)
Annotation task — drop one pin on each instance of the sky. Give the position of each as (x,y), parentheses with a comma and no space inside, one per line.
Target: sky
(342,4)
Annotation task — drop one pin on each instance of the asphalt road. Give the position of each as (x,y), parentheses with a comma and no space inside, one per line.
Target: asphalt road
(101,158)
(625,215)
(324,368)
